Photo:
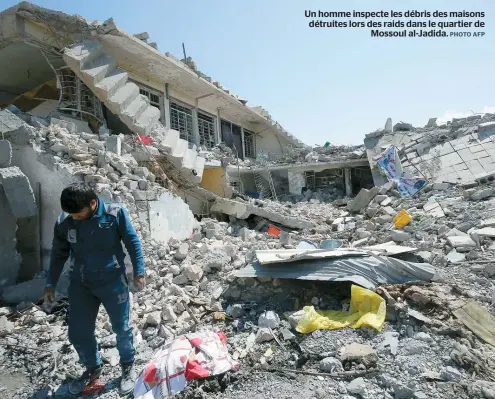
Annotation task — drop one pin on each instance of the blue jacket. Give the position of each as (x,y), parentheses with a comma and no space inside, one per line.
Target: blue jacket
(94,245)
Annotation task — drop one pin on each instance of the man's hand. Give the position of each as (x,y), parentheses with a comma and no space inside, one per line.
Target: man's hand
(139,283)
(49,296)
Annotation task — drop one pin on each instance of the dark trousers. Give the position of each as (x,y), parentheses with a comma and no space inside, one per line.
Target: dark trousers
(84,301)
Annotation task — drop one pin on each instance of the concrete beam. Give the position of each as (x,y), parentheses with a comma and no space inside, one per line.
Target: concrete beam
(348,182)
(299,168)
(18,192)
(243,211)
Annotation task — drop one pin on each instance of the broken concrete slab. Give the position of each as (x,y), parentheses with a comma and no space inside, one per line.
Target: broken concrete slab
(433,208)
(18,191)
(14,128)
(5,153)
(482,194)
(362,200)
(28,291)
(486,232)
(461,241)
(244,210)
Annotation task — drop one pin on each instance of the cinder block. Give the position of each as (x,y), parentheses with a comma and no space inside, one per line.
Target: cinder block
(18,192)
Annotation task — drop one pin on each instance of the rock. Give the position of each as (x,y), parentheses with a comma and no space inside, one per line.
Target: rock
(154,319)
(424,337)
(489,270)
(264,335)
(236,311)
(6,327)
(181,252)
(362,233)
(284,238)
(109,341)
(380,198)
(295,317)
(143,184)
(455,257)
(425,256)
(269,319)
(357,386)
(141,171)
(244,233)
(481,389)
(472,255)
(402,391)
(331,365)
(362,200)
(482,194)
(193,272)
(180,279)
(461,242)
(28,291)
(441,186)
(450,374)
(468,193)
(168,313)
(216,259)
(399,236)
(359,353)
(287,334)
(413,347)
(390,341)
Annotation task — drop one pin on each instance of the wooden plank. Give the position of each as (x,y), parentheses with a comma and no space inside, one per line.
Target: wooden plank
(478,320)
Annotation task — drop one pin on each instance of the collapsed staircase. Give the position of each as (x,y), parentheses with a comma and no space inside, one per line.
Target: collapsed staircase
(110,84)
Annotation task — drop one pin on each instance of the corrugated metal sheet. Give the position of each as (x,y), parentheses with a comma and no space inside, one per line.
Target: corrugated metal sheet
(368,271)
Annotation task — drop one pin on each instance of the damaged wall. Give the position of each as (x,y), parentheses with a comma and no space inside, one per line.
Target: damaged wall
(215,180)
(296,182)
(10,260)
(38,167)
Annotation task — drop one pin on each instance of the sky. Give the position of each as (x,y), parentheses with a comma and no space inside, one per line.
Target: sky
(320,84)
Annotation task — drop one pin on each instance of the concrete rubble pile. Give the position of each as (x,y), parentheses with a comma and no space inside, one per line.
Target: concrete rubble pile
(458,152)
(291,155)
(423,350)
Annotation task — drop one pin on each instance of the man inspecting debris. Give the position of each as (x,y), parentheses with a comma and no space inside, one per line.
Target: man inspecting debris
(90,232)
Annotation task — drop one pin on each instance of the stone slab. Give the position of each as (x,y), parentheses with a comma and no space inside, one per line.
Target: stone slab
(18,192)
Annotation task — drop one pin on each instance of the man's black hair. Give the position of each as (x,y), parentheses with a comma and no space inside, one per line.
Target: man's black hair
(76,197)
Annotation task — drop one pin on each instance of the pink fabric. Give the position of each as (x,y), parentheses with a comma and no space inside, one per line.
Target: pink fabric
(146,140)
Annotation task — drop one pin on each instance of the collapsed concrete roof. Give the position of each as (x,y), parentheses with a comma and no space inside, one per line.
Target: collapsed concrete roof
(459,152)
(136,55)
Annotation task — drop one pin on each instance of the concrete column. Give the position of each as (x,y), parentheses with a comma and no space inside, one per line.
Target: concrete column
(242,143)
(348,182)
(296,182)
(166,107)
(195,122)
(219,127)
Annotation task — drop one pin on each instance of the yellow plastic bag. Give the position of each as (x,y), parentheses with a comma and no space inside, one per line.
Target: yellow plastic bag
(402,219)
(367,309)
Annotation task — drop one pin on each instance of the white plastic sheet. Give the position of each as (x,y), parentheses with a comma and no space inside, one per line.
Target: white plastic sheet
(188,357)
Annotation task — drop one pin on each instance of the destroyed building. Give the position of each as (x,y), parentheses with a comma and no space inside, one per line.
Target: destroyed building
(241,224)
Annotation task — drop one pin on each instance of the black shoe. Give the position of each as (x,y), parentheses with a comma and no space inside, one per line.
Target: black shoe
(128,378)
(91,374)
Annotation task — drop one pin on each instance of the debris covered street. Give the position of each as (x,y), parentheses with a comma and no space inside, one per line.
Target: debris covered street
(348,279)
